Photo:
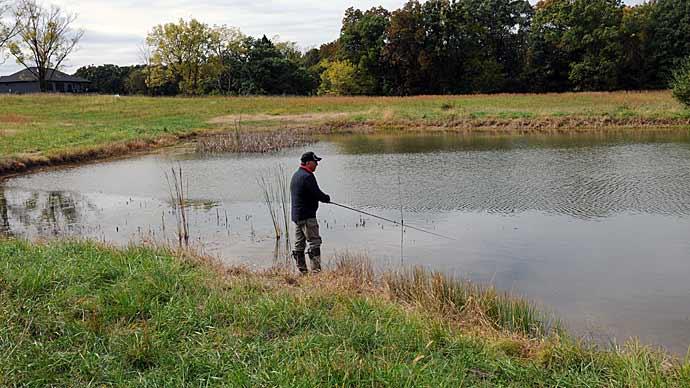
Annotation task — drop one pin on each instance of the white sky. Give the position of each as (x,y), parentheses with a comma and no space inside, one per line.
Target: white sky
(114,29)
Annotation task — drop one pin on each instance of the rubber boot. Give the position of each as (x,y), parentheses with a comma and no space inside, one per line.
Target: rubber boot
(315,258)
(301,261)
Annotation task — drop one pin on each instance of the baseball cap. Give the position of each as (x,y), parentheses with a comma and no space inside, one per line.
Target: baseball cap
(309,156)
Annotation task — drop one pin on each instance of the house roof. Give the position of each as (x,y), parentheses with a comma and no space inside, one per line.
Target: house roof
(27,75)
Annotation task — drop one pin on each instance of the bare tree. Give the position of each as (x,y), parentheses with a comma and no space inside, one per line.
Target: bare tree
(44,39)
(145,53)
(8,27)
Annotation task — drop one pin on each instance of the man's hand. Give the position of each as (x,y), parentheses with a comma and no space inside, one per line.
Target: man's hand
(327,199)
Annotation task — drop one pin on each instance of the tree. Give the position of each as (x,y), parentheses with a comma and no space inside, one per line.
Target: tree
(108,79)
(8,28)
(405,52)
(667,44)
(581,37)
(634,71)
(182,49)
(227,48)
(680,83)
(44,39)
(135,83)
(339,78)
(267,70)
(362,39)
(492,38)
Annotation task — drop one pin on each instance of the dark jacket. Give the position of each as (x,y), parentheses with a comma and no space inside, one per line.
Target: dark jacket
(305,195)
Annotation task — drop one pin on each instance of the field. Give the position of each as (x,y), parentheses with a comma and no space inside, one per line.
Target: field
(40,130)
(81,314)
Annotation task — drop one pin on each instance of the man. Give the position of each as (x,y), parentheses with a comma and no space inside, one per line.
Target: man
(306,195)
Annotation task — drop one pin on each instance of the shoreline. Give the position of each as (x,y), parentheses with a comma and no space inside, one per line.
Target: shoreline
(18,165)
(40,130)
(119,315)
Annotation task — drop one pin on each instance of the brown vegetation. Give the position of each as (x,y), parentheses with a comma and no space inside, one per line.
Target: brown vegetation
(13,119)
(253,142)
(539,125)
(22,163)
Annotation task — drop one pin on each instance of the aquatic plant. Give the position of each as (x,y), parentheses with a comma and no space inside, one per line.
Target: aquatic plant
(275,189)
(253,142)
(179,189)
(268,195)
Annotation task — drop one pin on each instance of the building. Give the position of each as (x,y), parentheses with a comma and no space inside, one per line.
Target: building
(58,82)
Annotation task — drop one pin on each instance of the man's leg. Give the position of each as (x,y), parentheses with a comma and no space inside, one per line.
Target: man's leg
(314,240)
(300,244)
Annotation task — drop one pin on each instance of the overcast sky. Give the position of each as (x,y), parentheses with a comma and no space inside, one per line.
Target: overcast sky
(115,28)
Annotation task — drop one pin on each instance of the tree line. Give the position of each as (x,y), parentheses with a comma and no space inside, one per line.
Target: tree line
(431,47)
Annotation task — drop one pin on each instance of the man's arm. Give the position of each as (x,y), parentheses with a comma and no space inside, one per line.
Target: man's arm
(316,191)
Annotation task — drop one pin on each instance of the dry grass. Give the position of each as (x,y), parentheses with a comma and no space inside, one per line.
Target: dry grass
(472,307)
(253,142)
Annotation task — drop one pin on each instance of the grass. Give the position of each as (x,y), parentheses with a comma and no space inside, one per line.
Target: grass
(80,314)
(48,129)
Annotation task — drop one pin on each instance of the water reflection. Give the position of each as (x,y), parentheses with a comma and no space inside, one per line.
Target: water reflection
(4,215)
(449,142)
(36,213)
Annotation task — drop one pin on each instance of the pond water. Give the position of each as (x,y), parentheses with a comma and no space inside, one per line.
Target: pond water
(595,228)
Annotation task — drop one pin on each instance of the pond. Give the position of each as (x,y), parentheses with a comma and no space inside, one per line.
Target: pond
(593,227)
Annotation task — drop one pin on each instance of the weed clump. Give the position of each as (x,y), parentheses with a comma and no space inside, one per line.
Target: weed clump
(253,142)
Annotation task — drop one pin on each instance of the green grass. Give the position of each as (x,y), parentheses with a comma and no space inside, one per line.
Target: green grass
(78,314)
(50,125)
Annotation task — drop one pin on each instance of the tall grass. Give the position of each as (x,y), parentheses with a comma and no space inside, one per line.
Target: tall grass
(453,297)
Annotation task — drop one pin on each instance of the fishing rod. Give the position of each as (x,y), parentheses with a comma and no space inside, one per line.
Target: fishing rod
(391,221)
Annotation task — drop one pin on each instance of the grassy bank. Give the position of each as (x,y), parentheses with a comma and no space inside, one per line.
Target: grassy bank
(77,314)
(39,130)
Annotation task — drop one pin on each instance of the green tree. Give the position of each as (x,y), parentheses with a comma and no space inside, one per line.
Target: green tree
(182,49)
(135,83)
(680,82)
(265,69)
(362,39)
(634,71)
(460,46)
(339,78)
(44,39)
(108,79)
(585,35)
(668,41)
(405,52)
(499,31)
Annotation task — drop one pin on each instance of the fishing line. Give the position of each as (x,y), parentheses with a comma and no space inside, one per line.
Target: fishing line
(392,221)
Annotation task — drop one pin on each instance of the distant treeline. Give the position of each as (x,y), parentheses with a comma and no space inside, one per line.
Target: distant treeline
(435,47)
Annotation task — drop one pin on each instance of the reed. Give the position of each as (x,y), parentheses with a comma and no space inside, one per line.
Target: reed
(178,187)
(275,189)
(284,199)
(268,195)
